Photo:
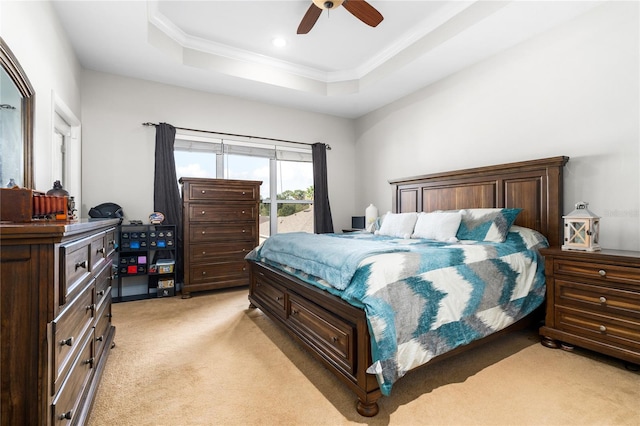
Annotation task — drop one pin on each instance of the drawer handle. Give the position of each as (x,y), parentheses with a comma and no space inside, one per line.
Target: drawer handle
(101,250)
(67,342)
(204,192)
(244,269)
(112,242)
(243,231)
(203,232)
(602,273)
(111,277)
(204,252)
(258,284)
(243,193)
(335,339)
(278,298)
(204,273)
(65,416)
(109,315)
(89,361)
(603,300)
(91,307)
(101,293)
(203,212)
(294,312)
(82,264)
(99,338)
(602,328)
(242,211)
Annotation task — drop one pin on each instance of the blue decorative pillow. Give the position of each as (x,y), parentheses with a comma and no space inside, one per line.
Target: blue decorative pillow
(486,224)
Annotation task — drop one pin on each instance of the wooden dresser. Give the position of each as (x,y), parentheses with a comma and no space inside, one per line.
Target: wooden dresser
(221,225)
(55,291)
(593,301)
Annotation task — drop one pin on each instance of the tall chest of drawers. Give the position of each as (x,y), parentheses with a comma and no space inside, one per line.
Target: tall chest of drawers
(593,301)
(221,225)
(55,296)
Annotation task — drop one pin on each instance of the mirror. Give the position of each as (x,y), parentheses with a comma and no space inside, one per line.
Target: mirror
(16,122)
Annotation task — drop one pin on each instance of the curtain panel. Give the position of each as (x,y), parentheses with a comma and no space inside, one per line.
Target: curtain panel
(166,193)
(322,221)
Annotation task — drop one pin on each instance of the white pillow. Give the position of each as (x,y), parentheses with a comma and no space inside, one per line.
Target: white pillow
(398,224)
(440,226)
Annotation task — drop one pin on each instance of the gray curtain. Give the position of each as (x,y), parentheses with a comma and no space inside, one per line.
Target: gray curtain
(322,221)
(166,194)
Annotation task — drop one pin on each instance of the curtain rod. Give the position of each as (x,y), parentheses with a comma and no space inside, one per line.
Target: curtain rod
(233,134)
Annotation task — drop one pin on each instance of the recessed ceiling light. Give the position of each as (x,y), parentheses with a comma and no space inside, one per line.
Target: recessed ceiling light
(279,42)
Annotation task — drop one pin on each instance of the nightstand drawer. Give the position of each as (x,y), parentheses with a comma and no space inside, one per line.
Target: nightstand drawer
(614,331)
(598,298)
(598,271)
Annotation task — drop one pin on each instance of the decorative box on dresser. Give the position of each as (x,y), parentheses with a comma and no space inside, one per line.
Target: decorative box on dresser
(593,301)
(55,291)
(221,225)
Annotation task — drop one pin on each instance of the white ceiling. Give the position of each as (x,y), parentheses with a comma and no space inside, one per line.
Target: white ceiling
(342,67)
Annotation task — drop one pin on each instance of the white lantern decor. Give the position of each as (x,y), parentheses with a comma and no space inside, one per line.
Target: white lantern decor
(581,229)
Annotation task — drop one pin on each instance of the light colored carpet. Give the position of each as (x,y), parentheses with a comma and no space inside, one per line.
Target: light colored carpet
(210,360)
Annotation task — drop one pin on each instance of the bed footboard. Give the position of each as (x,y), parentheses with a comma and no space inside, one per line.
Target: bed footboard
(333,331)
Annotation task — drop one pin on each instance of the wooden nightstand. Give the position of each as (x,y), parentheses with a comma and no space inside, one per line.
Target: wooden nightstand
(593,301)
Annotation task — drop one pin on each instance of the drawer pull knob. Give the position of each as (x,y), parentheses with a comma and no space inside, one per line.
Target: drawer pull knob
(258,284)
(99,338)
(204,252)
(67,342)
(203,232)
(65,416)
(603,328)
(243,231)
(82,264)
(101,250)
(294,312)
(204,192)
(243,193)
(334,339)
(602,273)
(603,299)
(279,298)
(109,315)
(204,273)
(89,361)
(91,307)
(203,212)
(101,293)
(242,211)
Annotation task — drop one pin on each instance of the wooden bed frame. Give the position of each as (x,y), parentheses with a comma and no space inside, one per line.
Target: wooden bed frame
(336,333)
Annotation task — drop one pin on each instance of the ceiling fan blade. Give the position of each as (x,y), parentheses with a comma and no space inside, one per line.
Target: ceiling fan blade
(363,11)
(309,19)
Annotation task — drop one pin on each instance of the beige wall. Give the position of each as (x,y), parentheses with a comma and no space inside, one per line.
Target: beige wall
(571,91)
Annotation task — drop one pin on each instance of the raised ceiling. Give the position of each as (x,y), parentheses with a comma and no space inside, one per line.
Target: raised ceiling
(342,67)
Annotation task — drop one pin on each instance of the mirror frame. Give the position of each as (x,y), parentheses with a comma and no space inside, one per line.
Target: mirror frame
(17,74)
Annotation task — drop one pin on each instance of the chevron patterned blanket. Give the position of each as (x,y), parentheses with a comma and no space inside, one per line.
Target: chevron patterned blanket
(425,298)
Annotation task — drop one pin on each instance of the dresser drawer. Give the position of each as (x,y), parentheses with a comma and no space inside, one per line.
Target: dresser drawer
(67,403)
(98,252)
(110,242)
(616,332)
(601,272)
(222,232)
(598,298)
(222,213)
(224,192)
(219,271)
(321,328)
(269,293)
(68,329)
(104,280)
(102,325)
(75,269)
(208,252)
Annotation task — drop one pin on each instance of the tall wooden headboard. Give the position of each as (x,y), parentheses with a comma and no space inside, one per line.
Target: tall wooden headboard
(534,186)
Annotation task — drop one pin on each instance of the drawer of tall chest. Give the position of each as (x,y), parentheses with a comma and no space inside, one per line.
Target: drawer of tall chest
(231,271)
(208,192)
(214,232)
(598,298)
(602,272)
(222,213)
(67,330)
(66,404)
(208,252)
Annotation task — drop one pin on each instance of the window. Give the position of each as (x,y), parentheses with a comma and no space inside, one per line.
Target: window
(286,173)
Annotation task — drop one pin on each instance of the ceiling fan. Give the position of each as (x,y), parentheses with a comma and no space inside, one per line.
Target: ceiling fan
(358,8)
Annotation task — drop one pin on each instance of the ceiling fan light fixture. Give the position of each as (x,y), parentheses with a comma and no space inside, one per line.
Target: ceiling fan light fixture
(328,5)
